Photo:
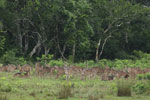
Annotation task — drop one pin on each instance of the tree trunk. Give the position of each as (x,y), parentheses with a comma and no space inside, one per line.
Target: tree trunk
(73,51)
(102,49)
(19,36)
(35,48)
(97,50)
(62,55)
(26,45)
(64,49)
(39,50)
(46,50)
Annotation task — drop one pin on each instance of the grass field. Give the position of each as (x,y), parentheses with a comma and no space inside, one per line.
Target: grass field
(48,88)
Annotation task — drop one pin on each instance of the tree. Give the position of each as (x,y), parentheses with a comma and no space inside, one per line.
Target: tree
(112,15)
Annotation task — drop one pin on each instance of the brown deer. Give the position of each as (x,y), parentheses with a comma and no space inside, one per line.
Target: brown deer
(47,69)
(38,69)
(11,67)
(59,71)
(26,69)
(76,71)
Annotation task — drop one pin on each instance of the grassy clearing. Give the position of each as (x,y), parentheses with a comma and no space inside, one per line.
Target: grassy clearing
(46,88)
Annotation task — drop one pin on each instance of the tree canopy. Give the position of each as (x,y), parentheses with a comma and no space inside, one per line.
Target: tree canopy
(74,29)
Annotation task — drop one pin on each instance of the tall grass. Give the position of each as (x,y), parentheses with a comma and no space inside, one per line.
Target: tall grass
(123,88)
(3,97)
(65,92)
(91,97)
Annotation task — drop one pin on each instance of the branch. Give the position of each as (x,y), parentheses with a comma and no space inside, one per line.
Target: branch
(60,49)
(104,44)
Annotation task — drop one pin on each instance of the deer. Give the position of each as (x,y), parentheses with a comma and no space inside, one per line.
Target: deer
(38,69)
(11,68)
(26,69)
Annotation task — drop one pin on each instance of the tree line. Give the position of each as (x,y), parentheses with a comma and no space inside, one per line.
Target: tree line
(74,29)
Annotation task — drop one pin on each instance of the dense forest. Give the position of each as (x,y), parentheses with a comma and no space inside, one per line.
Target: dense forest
(73,29)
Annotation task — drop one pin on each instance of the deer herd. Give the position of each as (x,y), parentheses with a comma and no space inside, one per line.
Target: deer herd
(106,73)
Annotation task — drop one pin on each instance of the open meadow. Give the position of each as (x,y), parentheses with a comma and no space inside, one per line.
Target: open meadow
(46,87)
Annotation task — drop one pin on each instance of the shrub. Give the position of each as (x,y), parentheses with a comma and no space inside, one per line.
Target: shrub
(1,65)
(113,89)
(5,87)
(142,87)
(3,97)
(9,57)
(123,88)
(65,91)
(91,97)
(148,76)
(56,62)
(143,76)
(139,88)
(21,61)
(103,62)
(44,59)
(140,76)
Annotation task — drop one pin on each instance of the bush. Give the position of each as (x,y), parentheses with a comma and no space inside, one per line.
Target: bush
(1,65)
(2,97)
(5,88)
(113,89)
(91,97)
(148,76)
(9,57)
(123,88)
(140,87)
(140,76)
(143,76)
(44,59)
(56,63)
(21,61)
(65,91)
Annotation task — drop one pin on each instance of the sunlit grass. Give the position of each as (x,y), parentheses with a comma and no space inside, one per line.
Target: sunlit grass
(48,88)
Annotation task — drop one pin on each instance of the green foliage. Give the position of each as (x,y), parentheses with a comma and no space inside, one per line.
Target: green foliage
(21,61)
(140,76)
(2,3)
(142,62)
(70,59)
(59,62)
(148,76)
(140,87)
(113,89)
(81,23)
(90,97)
(65,91)
(44,59)
(2,42)
(143,76)
(50,61)
(10,58)
(5,87)
(1,65)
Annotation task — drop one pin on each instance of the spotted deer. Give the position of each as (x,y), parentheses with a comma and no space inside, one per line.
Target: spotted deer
(58,71)
(38,69)
(26,69)
(11,67)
